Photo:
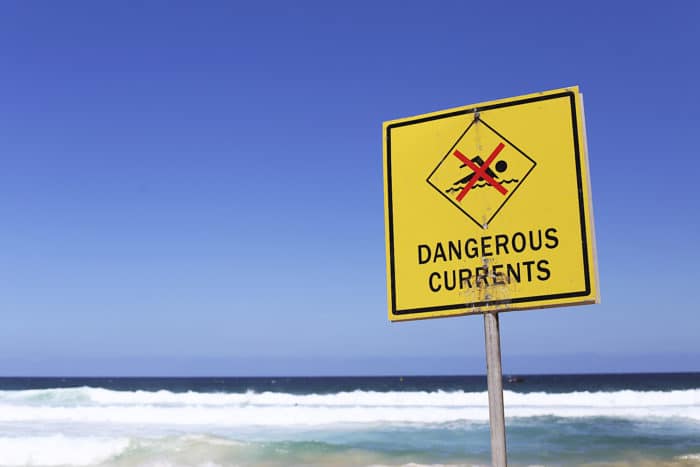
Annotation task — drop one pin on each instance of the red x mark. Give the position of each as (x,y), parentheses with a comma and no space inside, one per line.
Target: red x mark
(480,172)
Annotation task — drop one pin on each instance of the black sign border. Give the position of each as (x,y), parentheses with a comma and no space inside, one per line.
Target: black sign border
(571,95)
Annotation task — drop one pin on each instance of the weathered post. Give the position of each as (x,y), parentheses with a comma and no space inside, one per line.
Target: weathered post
(494,376)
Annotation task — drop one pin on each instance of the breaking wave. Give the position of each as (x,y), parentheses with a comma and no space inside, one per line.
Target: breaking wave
(97,405)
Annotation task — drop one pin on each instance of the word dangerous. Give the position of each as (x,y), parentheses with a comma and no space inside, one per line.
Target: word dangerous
(486,247)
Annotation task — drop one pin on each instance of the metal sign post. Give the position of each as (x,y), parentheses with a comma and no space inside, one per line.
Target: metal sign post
(494,376)
(491,202)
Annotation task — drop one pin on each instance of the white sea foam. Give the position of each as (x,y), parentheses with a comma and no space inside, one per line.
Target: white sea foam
(689,457)
(95,405)
(176,451)
(59,450)
(99,396)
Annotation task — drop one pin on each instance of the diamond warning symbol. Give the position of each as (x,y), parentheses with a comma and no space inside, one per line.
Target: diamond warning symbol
(481,172)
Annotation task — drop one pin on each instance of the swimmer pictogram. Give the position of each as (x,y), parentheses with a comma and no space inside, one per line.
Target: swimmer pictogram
(481,171)
(476,186)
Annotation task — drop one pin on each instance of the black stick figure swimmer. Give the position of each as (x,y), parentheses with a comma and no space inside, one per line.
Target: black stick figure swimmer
(501,167)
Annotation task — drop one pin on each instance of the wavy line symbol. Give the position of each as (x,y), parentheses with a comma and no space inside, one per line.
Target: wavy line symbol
(481,185)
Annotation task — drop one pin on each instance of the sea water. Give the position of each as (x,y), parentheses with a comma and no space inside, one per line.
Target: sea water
(555,420)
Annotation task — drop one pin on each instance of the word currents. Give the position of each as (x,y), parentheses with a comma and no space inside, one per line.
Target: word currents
(483,248)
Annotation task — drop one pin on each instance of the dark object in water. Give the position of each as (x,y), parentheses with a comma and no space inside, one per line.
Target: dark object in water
(515,379)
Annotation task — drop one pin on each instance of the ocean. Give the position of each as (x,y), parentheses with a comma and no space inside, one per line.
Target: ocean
(552,420)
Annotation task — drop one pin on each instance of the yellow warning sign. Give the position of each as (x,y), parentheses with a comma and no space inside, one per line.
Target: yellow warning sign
(487,208)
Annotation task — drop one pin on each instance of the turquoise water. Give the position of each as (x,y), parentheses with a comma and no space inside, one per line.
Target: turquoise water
(551,420)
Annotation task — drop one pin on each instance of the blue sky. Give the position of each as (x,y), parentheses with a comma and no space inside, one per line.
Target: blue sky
(195,188)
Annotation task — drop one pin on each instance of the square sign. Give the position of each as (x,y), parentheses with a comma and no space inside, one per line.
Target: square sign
(487,208)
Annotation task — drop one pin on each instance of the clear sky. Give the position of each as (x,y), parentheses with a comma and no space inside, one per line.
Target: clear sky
(195,188)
